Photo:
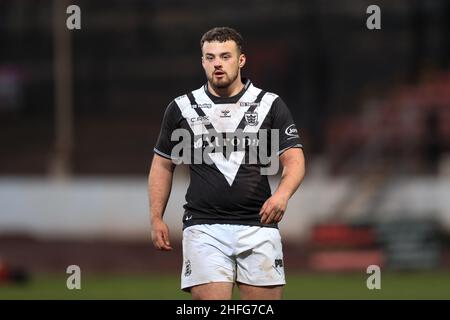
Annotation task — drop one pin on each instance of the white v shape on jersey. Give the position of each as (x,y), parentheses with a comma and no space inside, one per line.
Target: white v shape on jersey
(228,189)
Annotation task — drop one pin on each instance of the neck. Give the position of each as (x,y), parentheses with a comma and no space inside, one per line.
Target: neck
(232,90)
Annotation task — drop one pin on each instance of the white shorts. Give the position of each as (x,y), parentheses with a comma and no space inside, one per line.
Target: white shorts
(228,253)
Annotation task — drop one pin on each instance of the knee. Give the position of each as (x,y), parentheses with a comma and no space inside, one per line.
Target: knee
(211,292)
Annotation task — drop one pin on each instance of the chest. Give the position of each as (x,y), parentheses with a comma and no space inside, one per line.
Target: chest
(226,118)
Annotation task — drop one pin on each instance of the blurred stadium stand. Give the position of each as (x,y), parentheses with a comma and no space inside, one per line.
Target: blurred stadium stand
(373,110)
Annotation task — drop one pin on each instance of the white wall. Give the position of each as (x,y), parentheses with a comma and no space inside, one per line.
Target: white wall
(110,208)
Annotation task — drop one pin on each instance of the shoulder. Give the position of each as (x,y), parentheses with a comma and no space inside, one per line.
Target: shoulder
(269,98)
(266,97)
(274,99)
(277,105)
(173,112)
(179,103)
(188,99)
(179,100)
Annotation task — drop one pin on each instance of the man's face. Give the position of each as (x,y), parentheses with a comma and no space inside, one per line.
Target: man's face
(222,62)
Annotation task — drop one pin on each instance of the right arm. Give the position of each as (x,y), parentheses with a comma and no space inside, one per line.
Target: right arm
(159,187)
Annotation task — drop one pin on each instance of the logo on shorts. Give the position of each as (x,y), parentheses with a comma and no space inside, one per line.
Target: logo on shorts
(187,268)
(278,263)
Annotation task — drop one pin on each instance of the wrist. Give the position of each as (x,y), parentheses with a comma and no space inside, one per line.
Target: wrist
(283,195)
(155,219)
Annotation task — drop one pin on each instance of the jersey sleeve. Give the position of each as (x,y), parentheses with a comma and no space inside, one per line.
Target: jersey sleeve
(170,122)
(282,120)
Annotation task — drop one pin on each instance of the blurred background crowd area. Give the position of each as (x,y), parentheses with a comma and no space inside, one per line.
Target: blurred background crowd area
(358,96)
(80,112)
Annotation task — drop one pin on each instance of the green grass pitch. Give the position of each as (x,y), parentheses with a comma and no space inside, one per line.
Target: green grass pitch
(429,285)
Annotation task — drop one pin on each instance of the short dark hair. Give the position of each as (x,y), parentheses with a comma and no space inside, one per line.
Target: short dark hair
(222,34)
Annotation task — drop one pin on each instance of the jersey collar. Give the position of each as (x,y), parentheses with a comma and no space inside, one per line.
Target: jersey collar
(233,99)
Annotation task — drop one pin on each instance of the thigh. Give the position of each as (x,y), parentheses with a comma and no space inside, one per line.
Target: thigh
(212,291)
(249,292)
(260,257)
(206,258)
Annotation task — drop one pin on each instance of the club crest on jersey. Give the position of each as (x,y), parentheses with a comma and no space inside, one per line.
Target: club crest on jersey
(251,118)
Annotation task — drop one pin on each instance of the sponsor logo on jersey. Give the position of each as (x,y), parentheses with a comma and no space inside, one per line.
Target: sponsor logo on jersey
(291,131)
(225,114)
(251,118)
(228,150)
(201,105)
(249,104)
(199,120)
(232,141)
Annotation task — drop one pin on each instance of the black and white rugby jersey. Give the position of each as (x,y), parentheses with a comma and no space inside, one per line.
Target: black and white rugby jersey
(227,189)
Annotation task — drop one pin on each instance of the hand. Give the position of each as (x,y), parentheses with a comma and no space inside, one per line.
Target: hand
(160,235)
(273,209)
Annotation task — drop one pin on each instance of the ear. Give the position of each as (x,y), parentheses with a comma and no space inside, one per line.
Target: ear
(203,61)
(242,60)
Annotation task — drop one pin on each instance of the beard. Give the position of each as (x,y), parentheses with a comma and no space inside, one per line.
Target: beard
(223,82)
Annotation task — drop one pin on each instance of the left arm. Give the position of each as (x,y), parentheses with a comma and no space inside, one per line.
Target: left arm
(293,162)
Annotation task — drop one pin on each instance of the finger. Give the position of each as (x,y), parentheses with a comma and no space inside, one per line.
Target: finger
(266,215)
(155,240)
(278,216)
(165,241)
(156,245)
(271,218)
(166,248)
(159,240)
(263,208)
